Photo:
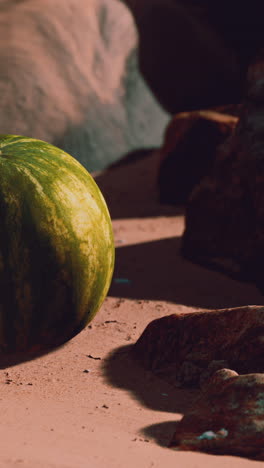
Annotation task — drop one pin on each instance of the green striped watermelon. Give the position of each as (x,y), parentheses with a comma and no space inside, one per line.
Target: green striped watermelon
(56,246)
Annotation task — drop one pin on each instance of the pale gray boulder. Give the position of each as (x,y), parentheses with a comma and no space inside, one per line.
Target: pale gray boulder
(69,75)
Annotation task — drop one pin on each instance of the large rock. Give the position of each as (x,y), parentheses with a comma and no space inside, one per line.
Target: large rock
(227,419)
(194,54)
(199,349)
(189,150)
(185,349)
(225,215)
(69,75)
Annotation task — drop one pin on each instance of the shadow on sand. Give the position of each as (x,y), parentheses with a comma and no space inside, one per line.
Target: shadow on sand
(9,360)
(157,271)
(121,370)
(130,187)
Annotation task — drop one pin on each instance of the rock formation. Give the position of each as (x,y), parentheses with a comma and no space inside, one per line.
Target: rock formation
(69,75)
(227,418)
(189,150)
(194,54)
(224,216)
(186,348)
(199,349)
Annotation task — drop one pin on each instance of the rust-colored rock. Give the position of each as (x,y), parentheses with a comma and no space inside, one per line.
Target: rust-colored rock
(189,150)
(185,349)
(225,214)
(227,418)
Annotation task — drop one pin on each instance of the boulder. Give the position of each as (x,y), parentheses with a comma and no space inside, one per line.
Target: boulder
(189,150)
(69,75)
(185,349)
(194,54)
(227,418)
(199,349)
(224,215)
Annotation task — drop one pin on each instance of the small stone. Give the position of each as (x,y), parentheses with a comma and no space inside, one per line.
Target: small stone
(211,369)
(93,357)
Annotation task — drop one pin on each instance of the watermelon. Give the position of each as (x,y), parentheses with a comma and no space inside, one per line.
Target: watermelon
(56,246)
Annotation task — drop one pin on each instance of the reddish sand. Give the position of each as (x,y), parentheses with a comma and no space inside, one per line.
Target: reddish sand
(88,404)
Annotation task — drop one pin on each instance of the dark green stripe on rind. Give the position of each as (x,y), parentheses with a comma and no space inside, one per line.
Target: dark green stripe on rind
(69,268)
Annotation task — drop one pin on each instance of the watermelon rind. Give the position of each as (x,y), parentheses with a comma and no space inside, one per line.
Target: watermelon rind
(56,245)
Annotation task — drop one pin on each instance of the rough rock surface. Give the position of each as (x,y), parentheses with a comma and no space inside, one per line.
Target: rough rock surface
(69,75)
(189,150)
(185,349)
(227,418)
(224,216)
(199,349)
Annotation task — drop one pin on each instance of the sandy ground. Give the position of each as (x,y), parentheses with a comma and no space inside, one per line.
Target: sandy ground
(88,404)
